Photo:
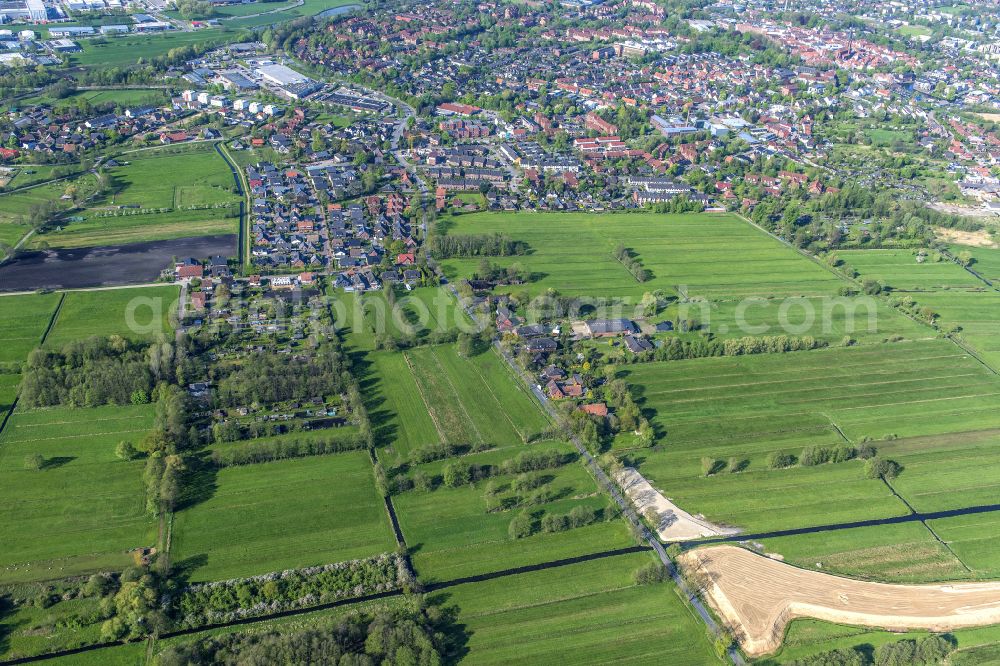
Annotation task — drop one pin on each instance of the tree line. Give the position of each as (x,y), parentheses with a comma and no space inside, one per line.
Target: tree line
(444,246)
(212,603)
(406,634)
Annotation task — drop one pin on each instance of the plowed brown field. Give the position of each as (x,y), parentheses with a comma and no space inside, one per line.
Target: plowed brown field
(759,596)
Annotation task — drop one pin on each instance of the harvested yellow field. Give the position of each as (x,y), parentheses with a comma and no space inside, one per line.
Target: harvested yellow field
(758,597)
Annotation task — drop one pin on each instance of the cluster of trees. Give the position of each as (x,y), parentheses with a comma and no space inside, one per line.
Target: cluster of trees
(88,373)
(210,603)
(631,261)
(524,524)
(923,652)
(820,455)
(273,378)
(881,468)
(678,204)
(161,478)
(676,349)
(195,9)
(513,274)
(281,449)
(129,604)
(410,634)
(476,245)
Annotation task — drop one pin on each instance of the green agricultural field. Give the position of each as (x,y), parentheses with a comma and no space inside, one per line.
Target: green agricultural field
(948,471)
(987,260)
(399,416)
(431,394)
(903,553)
(900,270)
(453,534)
(123,97)
(16,207)
(973,540)
(416,314)
(711,256)
(87,503)
(744,408)
(159,194)
(23,321)
(112,311)
(137,228)
(977,313)
(280,515)
(863,319)
(588,613)
(475,400)
(307,8)
(804,638)
(170,177)
(127,50)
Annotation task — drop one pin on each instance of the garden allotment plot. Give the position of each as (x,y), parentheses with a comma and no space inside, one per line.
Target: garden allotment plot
(746,407)
(87,504)
(712,256)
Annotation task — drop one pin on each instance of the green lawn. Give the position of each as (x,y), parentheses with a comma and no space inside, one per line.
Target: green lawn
(588,613)
(453,534)
(281,515)
(88,504)
(713,256)
(899,269)
(138,314)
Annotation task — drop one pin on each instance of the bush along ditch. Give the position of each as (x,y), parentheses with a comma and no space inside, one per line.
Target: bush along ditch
(225,601)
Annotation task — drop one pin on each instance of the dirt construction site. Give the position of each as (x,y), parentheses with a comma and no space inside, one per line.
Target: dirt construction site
(758,596)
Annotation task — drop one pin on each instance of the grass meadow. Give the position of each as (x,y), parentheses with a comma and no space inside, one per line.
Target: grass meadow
(711,256)
(976,312)
(23,320)
(88,504)
(900,270)
(744,408)
(157,189)
(587,613)
(273,516)
(987,260)
(452,534)
(431,394)
(416,314)
(108,312)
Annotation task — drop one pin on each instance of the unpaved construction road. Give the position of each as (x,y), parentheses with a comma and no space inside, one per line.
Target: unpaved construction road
(758,597)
